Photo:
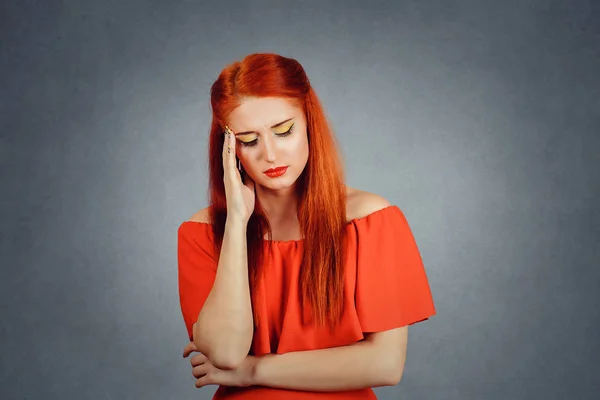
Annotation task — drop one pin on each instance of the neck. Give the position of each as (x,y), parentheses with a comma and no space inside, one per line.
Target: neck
(280,206)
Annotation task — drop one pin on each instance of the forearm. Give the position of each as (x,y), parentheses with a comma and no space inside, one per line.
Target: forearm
(225,324)
(357,366)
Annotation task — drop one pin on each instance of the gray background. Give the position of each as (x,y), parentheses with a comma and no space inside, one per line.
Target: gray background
(479,119)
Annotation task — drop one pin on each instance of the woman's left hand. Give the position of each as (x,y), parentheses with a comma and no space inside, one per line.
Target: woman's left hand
(207,374)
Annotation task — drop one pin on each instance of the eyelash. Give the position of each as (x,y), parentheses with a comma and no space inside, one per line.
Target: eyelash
(284,134)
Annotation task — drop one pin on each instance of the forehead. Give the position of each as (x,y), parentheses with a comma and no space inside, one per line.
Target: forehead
(260,112)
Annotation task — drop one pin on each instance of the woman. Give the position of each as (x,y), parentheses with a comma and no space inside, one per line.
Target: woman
(292,285)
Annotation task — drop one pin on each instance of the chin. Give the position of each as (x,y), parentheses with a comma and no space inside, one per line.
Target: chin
(284,182)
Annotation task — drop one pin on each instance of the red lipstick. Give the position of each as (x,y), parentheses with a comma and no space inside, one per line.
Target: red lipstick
(276,172)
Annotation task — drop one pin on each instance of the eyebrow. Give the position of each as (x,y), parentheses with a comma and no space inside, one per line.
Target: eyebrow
(274,126)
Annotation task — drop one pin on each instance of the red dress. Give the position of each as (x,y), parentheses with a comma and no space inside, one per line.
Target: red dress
(386,287)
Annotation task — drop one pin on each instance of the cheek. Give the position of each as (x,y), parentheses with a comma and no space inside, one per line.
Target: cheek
(247,157)
(298,145)
(241,153)
(302,147)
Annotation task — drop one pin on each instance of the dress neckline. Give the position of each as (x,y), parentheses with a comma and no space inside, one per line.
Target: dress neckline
(299,241)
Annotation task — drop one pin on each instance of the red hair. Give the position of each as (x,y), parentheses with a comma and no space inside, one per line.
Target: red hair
(321,191)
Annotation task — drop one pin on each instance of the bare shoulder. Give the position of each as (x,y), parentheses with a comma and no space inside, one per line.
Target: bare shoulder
(201,216)
(360,203)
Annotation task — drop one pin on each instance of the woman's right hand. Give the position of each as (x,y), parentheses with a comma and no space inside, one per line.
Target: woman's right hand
(240,194)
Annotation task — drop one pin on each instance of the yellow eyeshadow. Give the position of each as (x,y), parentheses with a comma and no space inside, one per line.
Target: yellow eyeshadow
(250,137)
(246,138)
(283,128)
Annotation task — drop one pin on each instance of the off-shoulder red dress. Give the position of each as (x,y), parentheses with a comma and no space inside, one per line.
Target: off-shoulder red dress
(386,287)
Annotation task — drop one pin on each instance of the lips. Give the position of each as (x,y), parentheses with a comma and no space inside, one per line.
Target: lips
(275,170)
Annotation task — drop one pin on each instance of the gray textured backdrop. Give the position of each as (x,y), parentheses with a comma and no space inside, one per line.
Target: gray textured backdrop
(479,119)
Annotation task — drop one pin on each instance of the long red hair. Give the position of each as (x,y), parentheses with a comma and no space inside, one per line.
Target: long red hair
(321,191)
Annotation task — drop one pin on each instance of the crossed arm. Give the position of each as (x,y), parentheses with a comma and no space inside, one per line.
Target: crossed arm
(378,360)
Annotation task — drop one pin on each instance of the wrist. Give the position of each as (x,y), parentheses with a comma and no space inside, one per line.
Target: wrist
(235,223)
(251,370)
(258,369)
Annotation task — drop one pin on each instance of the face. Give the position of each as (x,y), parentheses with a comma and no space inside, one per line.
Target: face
(270,133)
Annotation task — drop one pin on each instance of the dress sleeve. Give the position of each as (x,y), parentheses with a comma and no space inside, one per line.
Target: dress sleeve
(392,289)
(197,268)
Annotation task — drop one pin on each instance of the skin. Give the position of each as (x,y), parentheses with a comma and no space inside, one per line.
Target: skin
(272,149)
(379,359)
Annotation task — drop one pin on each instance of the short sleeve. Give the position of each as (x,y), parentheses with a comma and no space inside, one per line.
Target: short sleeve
(392,289)
(197,268)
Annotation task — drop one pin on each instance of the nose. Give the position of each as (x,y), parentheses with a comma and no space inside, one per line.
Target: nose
(269,150)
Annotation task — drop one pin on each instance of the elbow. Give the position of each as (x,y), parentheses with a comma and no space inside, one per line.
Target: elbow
(226,362)
(222,357)
(391,368)
(225,353)
(393,374)
(393,378)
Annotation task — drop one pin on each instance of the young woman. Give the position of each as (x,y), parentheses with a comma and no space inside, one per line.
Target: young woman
(292,285)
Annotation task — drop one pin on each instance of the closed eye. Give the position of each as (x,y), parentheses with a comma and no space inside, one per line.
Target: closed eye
(286,133)
(250,143)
